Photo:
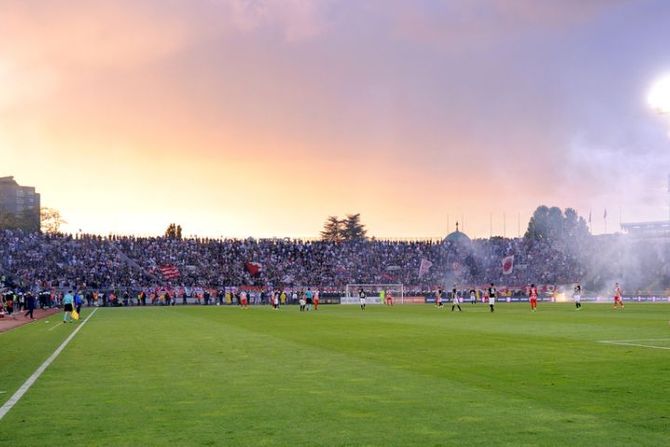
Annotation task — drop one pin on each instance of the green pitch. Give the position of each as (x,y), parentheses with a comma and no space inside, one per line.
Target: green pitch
(408,375)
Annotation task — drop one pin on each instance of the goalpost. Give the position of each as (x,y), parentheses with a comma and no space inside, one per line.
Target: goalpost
(373,293)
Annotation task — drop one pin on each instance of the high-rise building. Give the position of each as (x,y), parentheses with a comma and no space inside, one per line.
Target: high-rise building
(19,205)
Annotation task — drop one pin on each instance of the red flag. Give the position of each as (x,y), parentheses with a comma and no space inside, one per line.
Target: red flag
(424,266)
(508,265)
(254,268)
(169,271)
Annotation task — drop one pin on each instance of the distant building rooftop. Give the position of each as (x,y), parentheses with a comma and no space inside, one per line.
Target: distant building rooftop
(647,229)
(458,237)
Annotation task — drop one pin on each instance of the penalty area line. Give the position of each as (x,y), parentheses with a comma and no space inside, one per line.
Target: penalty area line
(28,383)
(639,345)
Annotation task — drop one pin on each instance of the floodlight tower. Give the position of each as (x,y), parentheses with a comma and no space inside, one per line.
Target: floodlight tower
(658,99)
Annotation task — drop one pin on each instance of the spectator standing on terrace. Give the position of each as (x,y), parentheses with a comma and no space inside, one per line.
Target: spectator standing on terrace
(68,300)
(492,297)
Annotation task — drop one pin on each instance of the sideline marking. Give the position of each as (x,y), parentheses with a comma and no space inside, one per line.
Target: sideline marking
(640,345)
(55,326)
(28,383)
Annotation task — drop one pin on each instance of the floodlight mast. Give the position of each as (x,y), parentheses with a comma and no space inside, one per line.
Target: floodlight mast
(659,101)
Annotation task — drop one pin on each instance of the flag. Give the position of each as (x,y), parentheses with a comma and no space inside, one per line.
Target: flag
(605,214)
(508,265)
(169,271)
(424,266)
(589,217)
(254,268)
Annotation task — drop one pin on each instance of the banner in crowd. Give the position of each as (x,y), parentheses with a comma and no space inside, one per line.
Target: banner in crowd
(169,271)
(424,266)
(508,265)
(254,268)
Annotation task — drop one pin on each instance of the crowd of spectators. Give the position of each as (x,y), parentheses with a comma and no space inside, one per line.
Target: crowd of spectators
(34,261)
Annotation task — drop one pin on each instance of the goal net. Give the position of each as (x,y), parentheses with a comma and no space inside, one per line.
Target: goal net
(373,293)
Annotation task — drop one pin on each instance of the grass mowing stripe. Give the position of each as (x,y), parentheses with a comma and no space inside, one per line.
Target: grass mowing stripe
(28,383)
(409,376)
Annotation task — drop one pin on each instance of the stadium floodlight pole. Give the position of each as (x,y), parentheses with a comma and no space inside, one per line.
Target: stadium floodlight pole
(658,99)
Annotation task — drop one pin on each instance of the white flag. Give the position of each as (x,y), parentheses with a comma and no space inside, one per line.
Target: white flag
(424,266)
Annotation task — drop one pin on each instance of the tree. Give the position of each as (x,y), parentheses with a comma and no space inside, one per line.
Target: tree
(51,220)
(353,229)
(333,230)
(173,231)
(554,225)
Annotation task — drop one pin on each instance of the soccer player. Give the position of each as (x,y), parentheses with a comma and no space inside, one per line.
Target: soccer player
(382,296)
(309,298)
(577,296)
(473,296)
(361,298)
(454,300)
(68,299)
(389,298)
(303,302)
(533,297)
(316,300)
(438,298)
(617,296)
(244,299)
(492,297)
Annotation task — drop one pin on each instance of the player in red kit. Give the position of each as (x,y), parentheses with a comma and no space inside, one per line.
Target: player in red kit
(389,298)
(618,300)
(533,297)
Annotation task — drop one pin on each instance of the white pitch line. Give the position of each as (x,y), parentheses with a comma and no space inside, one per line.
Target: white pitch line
(28,383)
(55,326)
(634,339)
(635,344)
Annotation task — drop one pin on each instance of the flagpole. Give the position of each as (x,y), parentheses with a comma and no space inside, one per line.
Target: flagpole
(490,225)
(505,225)
(518,225)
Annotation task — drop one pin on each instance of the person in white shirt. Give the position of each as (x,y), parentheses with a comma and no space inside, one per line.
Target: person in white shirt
(492,297)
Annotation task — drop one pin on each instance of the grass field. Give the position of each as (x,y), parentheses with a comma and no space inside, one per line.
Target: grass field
(410,375)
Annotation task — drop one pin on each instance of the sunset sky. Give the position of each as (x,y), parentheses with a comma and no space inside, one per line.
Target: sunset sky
(262,117)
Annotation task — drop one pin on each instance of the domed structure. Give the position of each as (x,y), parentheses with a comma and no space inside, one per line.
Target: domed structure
(458,238)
